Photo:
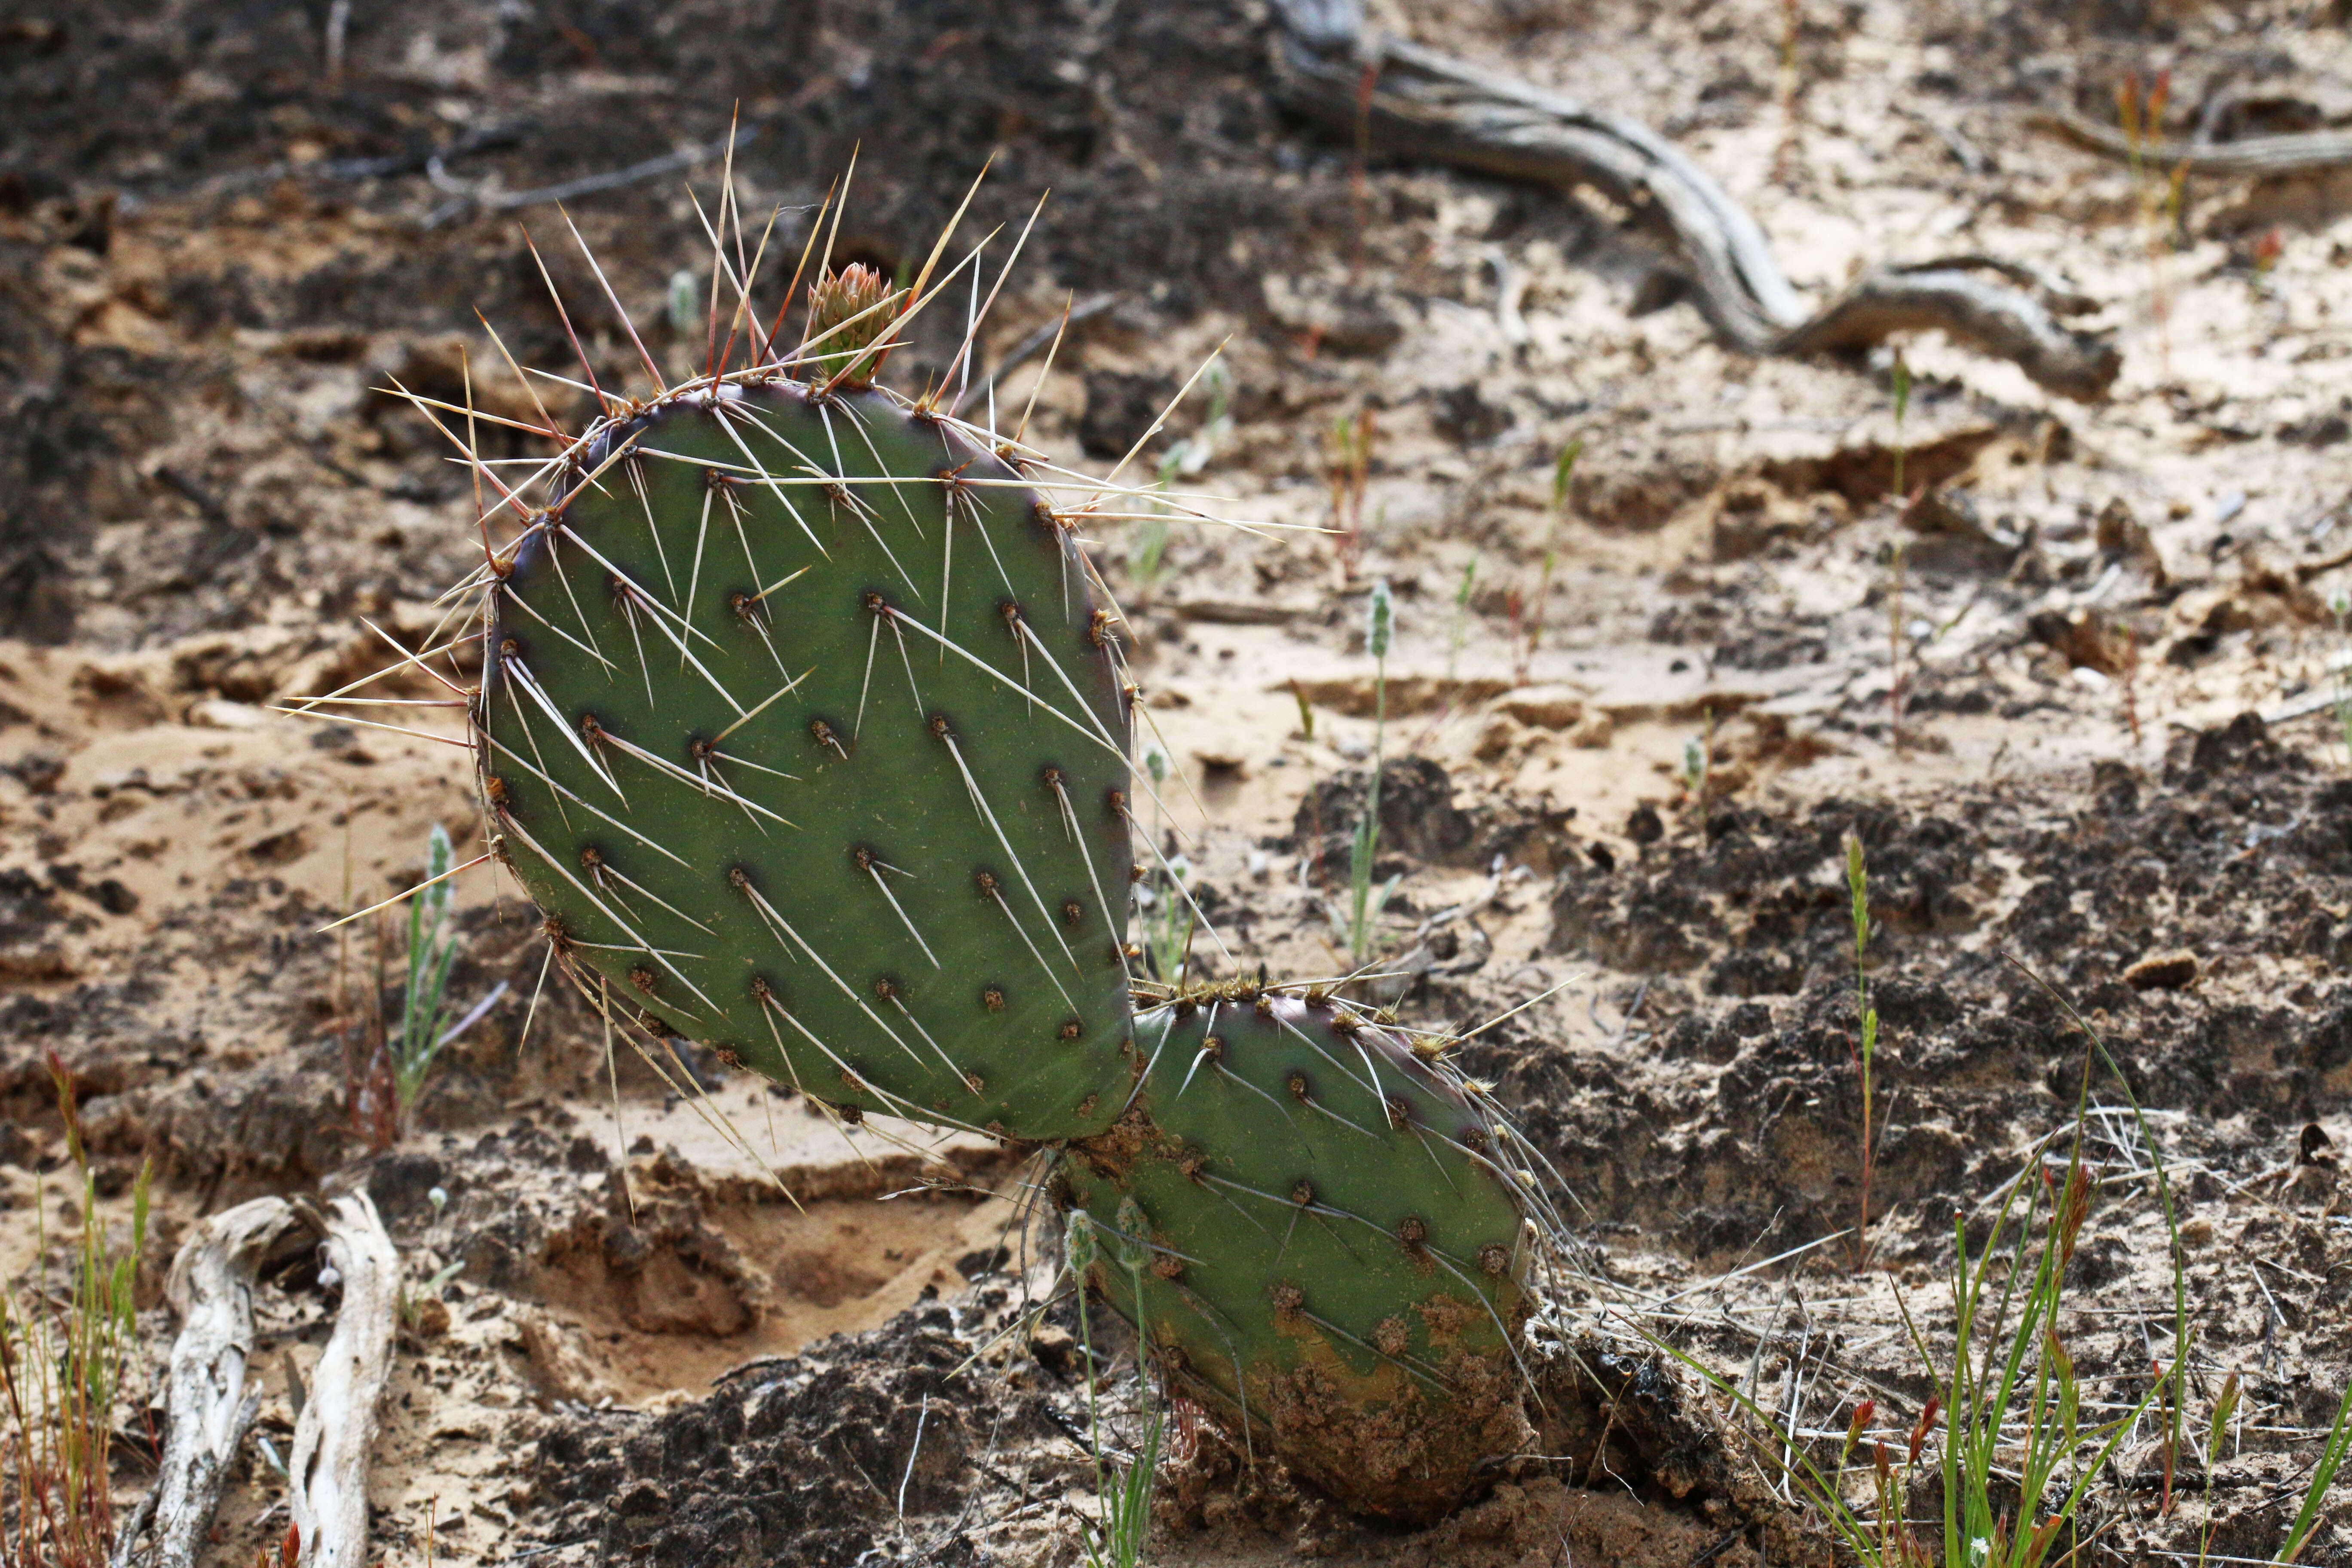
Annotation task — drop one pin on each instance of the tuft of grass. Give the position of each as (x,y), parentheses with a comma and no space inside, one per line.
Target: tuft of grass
(1122,1489)
(432,948)
(62,1369)
(386,1082)
(2323,1476)
(1365,901)
(2013,1453)
(1563,470)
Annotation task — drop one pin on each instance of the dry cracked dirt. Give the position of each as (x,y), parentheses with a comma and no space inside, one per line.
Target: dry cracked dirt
(2075,685)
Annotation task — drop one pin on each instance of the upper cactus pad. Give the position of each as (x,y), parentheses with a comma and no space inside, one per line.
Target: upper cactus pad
(800,723)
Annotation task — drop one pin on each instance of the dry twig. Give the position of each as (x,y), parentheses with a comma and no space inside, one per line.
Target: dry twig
(337,1427)
(1390,93)
(2298,153)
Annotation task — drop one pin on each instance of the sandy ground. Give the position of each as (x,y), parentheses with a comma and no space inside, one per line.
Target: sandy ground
(1629,773)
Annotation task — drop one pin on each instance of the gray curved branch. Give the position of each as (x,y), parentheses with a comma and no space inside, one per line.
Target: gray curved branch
(1416,102)
(2294,152)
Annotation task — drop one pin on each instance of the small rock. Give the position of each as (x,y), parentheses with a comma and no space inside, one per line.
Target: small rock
(2162,971)
(220,713)
(1500,737)
(1544,707)
(1054,1348)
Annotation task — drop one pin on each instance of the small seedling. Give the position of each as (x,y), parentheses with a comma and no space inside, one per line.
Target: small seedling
(1563,470)
(2160,197)
(1122,1491)
(1895,646)
(1785,88)
(2216,1430)
(1365,901)
(399,1061)
(1184,459)
(1347,465)
(2342,607)
(1460,631)
(2332,1454)
(1865,1054)
(1167,912)
(1168,922)
(432,949)
(1698,764)
(1901,376)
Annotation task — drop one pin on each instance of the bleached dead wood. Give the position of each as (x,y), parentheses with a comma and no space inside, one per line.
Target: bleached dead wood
(337,1427)
(1405,99)
(2294,153)
(208,1408)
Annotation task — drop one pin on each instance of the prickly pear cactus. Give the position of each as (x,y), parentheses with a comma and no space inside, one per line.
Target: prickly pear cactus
(799,722)
(1335,1231)
(802,719)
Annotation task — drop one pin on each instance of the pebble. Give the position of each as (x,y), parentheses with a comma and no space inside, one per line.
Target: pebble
(2162,971)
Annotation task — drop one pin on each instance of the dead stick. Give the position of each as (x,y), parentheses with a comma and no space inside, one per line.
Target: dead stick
(337,1427)
(2297,152)
(1425,104)
(208,1409)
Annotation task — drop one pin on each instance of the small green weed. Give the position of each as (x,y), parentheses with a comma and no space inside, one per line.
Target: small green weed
(1122,1490)
(2323,1476)
(1460,633)
(1563,470)
(62,1369)
(1865,1052)
(432,948)
(1347,469)
(1365,901)
(1167,913)
(1185,458)
(1901,377)
(385,1085)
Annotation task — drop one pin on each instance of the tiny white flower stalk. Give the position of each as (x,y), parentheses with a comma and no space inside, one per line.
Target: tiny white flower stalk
(685,302)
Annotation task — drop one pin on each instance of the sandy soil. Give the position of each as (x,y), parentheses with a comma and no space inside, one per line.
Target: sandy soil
(2076,697)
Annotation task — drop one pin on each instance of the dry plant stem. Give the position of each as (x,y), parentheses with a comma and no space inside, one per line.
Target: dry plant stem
(337,1427)
(1426,104)
(208,1407)
(2300,152)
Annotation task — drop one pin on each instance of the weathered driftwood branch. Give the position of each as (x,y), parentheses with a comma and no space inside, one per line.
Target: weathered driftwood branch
(207,1407)
(2297,152)
(1410,100)
(338,1422)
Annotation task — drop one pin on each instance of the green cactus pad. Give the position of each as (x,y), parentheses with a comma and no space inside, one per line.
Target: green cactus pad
(799,722)
(1336,1255)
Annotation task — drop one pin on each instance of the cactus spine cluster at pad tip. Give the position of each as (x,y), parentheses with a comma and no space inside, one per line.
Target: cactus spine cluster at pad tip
(803,719)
